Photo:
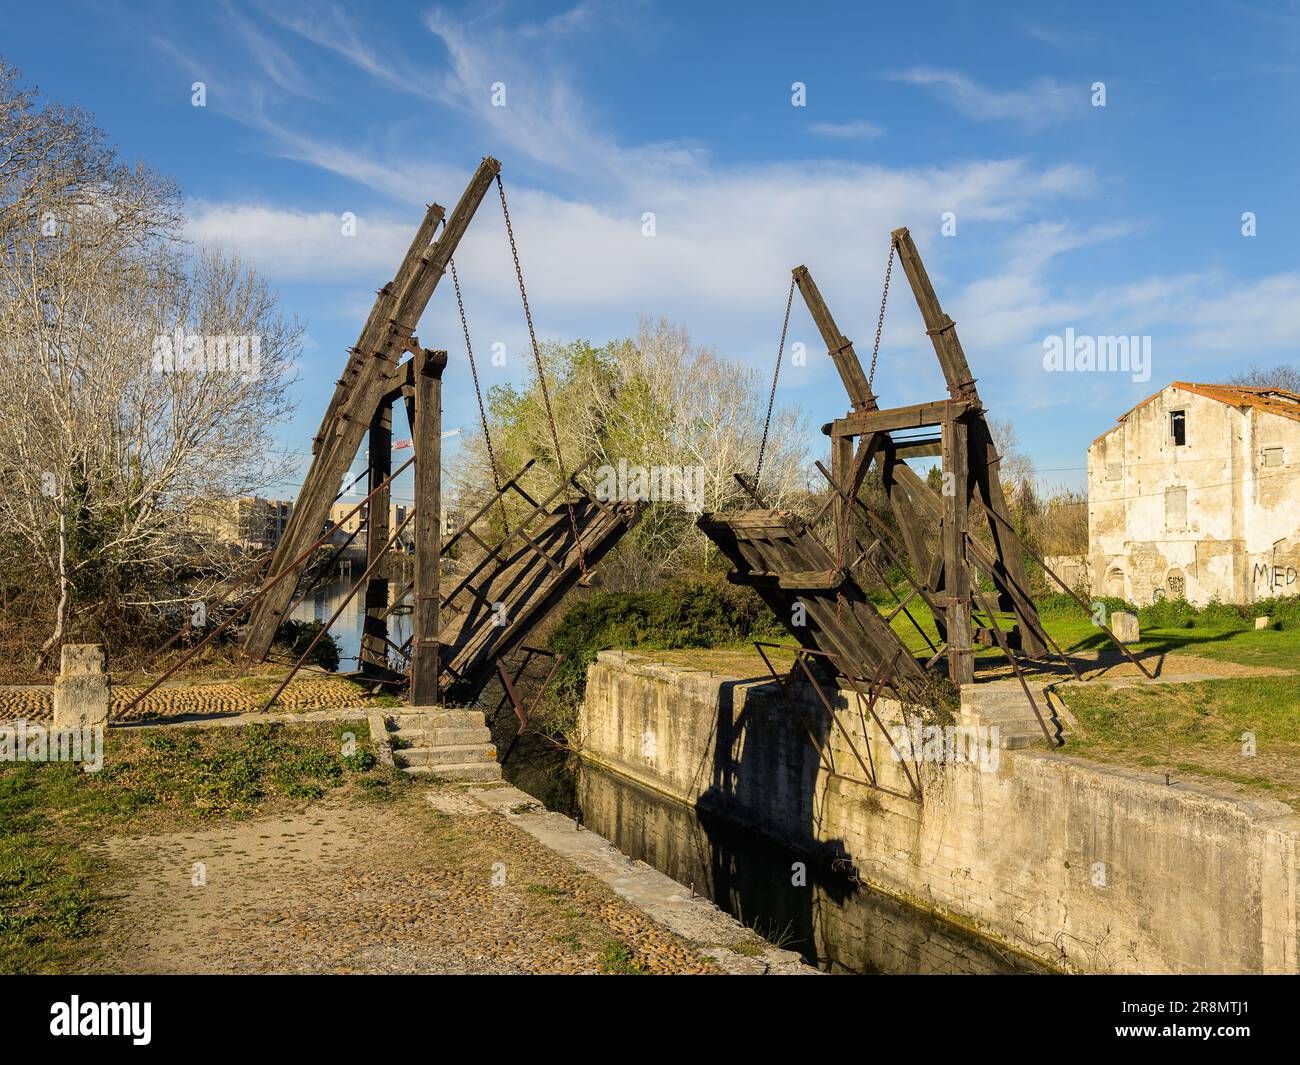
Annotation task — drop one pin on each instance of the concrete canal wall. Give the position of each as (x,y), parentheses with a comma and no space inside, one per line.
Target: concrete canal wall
(1078,866)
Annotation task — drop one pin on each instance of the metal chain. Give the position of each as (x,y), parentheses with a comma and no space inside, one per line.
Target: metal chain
(846,519)
(771,399)
(880,322)
(541,379)
(478,394)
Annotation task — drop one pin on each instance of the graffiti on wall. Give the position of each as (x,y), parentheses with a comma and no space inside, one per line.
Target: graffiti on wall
(1275,578)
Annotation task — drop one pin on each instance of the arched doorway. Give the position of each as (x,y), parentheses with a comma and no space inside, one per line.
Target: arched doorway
(1115,583)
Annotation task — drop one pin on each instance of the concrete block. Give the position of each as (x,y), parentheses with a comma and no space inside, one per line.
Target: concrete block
(82,692)
(1264,622)
(1125,626)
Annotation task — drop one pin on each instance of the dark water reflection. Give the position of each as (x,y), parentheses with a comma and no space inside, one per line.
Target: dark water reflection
(834,923)
(326,598)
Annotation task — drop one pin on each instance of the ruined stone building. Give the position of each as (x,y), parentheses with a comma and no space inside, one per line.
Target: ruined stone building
(1195,493)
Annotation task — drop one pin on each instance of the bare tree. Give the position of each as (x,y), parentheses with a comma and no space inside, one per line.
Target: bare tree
(1061,526)
(1015,469)
(1285,378)
(140,383)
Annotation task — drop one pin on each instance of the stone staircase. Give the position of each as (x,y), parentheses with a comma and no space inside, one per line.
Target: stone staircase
(1003,703)
(448,744)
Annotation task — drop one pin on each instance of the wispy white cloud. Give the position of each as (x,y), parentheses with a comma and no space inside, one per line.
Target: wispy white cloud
(274,61)
(721,256)
(293,245)
(857,129)
(1065,40)
(542,115)
(1044,102)
(582,16)
(329,26)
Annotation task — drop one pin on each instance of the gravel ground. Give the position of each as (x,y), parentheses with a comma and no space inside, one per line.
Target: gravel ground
(406,886)
(36,703)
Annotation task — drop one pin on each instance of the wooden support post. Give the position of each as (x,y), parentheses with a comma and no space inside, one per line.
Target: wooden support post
(984,456)
(374,638)
(841,464)
(427,441)
(956,579)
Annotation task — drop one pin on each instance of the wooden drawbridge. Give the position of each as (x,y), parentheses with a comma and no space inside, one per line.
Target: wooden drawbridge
(509,588)
(811,586)
(469,612)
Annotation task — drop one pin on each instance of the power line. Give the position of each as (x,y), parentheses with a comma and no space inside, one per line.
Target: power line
(1152,495)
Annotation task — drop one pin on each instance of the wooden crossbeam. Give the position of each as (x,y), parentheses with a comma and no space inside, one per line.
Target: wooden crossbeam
(916,416)
(805,580)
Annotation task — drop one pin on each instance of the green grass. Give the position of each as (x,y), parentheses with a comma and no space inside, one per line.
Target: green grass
(153,780)
(1227,639)
(616,960)
(1209,712)
(1198,728)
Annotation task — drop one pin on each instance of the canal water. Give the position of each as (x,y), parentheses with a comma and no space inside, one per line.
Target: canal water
(812,907)
(327,597)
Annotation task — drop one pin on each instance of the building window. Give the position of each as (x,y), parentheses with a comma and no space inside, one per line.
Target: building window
(1175,509)
(1272,456)
(1178,427)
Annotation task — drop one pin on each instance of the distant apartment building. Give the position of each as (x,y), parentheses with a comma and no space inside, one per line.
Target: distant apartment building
(249,523)
(1196,494)
(353,526)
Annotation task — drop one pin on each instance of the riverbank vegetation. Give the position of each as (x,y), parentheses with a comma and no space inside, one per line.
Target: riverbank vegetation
(143,379)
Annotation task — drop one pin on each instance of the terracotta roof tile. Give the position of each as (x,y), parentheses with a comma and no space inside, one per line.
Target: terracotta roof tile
(1269,400)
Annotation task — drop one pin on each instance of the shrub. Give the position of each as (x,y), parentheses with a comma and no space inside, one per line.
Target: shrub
(1167,614)
(296,637)
(1283,609)
(1060,605)
(679,614)
(1221,615)
(1180,614)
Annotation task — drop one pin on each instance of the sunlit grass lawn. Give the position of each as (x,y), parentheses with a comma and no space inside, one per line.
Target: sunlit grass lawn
(1074,634)
(1279,648)
(1243,730)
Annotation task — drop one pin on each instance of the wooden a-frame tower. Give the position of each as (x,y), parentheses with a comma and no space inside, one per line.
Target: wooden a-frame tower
(972,490)
(363,396)
(811,586)
(509,585)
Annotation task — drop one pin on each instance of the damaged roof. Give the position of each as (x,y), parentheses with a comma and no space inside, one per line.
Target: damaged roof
(1269,400)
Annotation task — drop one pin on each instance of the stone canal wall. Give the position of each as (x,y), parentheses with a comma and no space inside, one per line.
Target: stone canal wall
(1074,865)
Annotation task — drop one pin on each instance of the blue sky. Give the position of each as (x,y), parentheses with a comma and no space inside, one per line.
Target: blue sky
(1116,220)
